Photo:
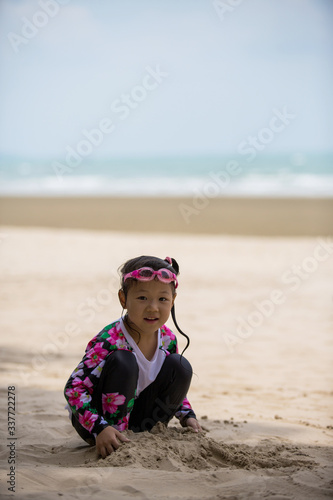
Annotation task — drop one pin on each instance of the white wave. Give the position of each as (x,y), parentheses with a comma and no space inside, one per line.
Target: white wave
(250,185)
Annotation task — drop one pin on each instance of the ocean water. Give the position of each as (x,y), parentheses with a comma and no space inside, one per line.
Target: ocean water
(309,175)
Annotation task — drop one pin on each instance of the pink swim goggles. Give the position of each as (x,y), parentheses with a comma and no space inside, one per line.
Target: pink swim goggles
(148,274)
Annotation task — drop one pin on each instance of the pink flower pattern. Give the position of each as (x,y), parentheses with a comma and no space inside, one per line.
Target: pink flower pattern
(186,405)
(77,397)
(91,343)
(117,338)
(88,419)
(122,424)
(111,401)
(85,384)
(166,340)
(114,336)
(95,355)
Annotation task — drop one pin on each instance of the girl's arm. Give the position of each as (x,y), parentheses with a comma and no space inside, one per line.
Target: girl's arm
(80,386)
(78,393)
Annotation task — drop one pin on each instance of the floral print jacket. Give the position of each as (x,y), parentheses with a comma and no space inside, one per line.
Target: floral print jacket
(80,386)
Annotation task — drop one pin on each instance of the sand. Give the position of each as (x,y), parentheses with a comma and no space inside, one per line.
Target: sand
(265,216)
(262,387)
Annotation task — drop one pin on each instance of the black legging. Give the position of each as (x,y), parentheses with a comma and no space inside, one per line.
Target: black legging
(156,403)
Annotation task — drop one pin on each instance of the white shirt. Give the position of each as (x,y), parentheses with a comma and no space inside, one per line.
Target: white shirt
(148,370)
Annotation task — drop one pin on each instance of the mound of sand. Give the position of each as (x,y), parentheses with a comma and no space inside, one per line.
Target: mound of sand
(178,449)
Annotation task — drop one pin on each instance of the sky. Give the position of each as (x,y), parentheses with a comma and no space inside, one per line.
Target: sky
(157,78)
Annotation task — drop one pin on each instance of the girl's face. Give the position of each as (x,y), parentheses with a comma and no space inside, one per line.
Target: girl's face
(148,304)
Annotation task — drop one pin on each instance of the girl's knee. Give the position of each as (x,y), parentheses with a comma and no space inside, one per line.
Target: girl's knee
(180,364)
(124,362)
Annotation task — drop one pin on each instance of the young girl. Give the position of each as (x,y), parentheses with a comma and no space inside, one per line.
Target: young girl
(131,375)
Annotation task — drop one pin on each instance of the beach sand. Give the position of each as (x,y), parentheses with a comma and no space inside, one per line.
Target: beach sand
(258,310)
(265,216)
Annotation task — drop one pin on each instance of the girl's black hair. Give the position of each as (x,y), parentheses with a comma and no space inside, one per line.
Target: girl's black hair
(156,264)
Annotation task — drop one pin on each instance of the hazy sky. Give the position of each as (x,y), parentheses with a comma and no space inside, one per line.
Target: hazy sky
(164,77)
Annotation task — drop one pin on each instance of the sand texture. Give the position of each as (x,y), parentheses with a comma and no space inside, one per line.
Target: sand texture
(259,314)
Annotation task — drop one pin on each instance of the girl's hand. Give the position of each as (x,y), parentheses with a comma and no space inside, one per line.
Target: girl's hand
(192,422)
(107,441)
